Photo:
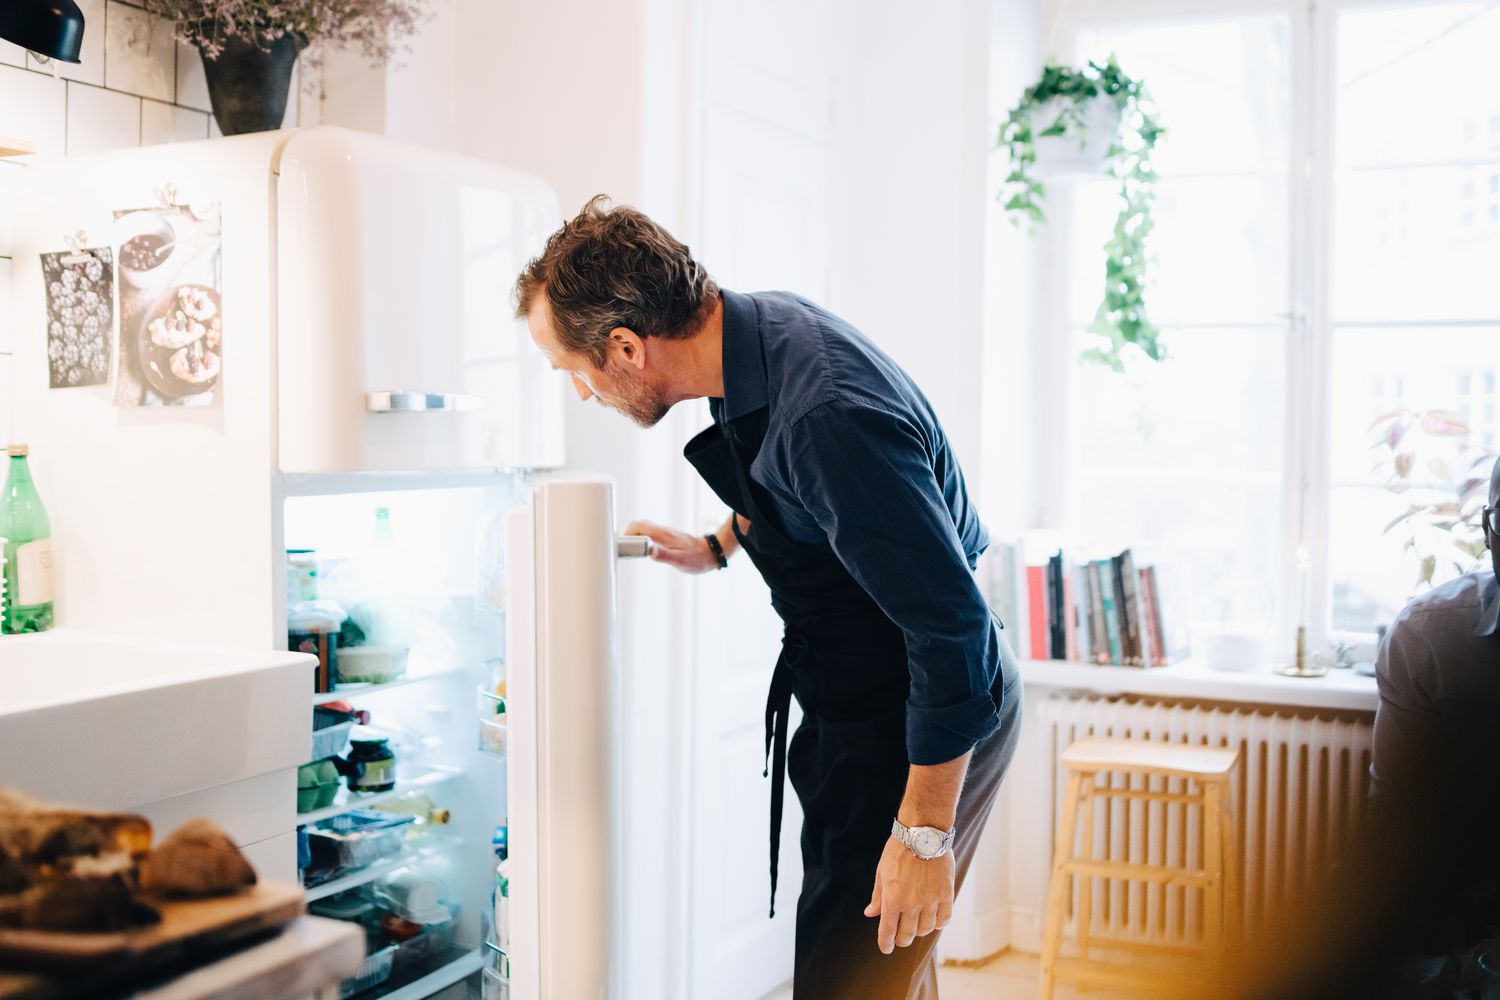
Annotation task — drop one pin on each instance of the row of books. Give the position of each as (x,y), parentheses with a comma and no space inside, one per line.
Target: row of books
(1092,611)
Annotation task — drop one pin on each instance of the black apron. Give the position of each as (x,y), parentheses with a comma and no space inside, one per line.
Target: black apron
(845,661)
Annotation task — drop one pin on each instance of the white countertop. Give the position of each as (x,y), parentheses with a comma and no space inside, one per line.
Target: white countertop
(1338,689)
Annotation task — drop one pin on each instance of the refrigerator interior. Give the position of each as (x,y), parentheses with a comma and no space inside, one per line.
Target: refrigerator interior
(445,559)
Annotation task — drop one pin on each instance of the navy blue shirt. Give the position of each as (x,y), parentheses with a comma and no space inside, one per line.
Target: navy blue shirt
(855,462)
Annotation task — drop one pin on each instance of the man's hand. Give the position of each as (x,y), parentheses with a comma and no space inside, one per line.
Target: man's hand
(689,553)
(912,897)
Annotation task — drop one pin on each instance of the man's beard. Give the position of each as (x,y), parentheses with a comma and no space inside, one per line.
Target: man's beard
(639,401)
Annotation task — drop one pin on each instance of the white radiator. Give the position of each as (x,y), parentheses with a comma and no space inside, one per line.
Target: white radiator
(1297,796)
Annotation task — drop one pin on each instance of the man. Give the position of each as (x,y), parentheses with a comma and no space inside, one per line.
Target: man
(846,496)
(1435,767)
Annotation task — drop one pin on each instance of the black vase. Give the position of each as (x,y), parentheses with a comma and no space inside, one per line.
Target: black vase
(247,85)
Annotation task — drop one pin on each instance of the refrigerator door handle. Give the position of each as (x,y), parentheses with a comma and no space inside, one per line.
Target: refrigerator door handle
(632,546)
(407,401)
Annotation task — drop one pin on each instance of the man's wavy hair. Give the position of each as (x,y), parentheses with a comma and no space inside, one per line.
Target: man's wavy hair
(611,267)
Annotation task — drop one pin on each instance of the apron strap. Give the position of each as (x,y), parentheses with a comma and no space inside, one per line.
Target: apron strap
(778,705)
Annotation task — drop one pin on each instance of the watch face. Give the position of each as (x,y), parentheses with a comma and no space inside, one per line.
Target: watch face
(927,841)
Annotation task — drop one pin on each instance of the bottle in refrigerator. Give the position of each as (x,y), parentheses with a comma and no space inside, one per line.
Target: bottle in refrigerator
(28,550)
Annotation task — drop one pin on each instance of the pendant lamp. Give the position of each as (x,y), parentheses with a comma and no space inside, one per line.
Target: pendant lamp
(51,28)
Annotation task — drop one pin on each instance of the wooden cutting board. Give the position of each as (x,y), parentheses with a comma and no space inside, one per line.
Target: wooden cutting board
(189,929)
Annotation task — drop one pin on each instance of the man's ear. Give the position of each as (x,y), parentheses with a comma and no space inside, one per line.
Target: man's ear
(629,348)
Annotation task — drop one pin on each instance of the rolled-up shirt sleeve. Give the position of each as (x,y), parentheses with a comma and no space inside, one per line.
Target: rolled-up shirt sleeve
(868,477)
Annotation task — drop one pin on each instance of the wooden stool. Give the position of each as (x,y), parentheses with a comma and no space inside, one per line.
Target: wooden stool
(1210,768)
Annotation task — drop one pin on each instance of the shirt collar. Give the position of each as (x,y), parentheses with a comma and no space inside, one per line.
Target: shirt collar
(1489,606)
(744,357)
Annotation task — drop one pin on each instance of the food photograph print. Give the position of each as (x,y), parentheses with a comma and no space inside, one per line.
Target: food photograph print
(171,318)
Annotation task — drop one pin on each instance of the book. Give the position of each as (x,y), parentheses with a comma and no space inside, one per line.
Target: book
(1098,636)
(1070,615)
(1081,612)
(1160,654)
(1036,604)
(1057,645)
(1134,646)
(1111,616)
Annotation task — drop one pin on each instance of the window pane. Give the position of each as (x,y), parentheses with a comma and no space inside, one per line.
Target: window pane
(1417,244)
(1220,249)
(1415,83)
(1183,459)
(1224,88)
(1449,373)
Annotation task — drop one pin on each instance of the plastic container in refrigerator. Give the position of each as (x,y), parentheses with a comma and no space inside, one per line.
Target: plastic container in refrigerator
(375,970)
(358,838)
(330,731)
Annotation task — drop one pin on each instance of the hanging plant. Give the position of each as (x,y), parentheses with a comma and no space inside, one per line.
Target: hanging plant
(1070,105)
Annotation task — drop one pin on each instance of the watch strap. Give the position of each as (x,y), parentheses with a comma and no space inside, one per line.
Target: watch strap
(717,550)
(903,834)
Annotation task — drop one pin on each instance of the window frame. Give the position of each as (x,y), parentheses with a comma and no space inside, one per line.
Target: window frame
(1309,324)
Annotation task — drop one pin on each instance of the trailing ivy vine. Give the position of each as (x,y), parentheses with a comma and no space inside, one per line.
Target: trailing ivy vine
(1121,318)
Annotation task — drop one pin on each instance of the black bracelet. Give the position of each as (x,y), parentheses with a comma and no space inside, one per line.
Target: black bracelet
(718,551)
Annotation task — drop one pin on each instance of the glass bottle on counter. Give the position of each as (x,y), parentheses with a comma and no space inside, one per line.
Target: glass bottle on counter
(28,550)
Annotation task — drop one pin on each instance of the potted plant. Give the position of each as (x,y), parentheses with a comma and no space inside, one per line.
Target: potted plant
(1416,445)
(249,47)
(1095,118)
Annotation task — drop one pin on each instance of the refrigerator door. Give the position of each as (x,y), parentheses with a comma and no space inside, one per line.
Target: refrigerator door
(397,345)
(563,768)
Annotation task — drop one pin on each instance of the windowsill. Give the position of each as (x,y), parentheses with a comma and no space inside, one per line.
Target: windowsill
(1339,689)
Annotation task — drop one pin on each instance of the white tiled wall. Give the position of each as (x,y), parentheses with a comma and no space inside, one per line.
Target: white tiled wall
(136,85)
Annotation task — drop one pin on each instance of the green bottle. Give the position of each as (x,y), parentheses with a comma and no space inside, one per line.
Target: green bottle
(28,551)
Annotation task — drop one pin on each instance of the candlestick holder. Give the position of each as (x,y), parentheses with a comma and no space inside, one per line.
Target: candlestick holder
(1302,666)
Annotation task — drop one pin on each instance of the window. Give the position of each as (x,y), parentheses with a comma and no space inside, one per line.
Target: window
(1324,256)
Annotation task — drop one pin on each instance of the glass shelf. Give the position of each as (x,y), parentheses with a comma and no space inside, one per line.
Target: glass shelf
(419,778)
(344,691)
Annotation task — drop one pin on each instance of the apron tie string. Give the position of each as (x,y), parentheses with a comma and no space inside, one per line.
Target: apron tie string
(778,705)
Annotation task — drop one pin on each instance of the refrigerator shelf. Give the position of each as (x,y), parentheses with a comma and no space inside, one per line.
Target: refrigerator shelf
(312,484)
(425,978)
(347,800)
(345,691)
(432,844)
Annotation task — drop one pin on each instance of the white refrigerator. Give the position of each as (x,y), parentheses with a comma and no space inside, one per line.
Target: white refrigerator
(300,329)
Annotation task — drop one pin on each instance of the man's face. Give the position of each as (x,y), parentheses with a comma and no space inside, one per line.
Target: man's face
(620,385)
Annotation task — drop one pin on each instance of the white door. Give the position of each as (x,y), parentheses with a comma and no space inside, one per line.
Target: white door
(764,206)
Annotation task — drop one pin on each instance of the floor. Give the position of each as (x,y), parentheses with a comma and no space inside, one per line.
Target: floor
(1010,976)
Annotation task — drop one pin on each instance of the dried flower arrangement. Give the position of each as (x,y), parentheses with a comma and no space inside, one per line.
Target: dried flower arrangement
(376,27)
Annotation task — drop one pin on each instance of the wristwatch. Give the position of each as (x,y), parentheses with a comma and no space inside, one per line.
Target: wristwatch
(928,843)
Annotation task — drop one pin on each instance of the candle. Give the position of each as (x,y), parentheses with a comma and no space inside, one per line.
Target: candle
(1304,588)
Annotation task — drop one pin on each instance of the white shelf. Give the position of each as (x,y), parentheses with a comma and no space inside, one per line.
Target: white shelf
(349,801)
(345,691)
(1339,689)
(431,845)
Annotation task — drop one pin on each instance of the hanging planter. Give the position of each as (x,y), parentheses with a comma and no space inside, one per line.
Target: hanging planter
(1074,138)
(1093,120)
(249,47)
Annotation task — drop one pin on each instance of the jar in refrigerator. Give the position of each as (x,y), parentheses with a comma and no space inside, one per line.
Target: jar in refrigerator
(371,764)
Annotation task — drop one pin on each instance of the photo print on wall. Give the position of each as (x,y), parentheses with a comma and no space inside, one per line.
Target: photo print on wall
(171,316)
(80,314)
